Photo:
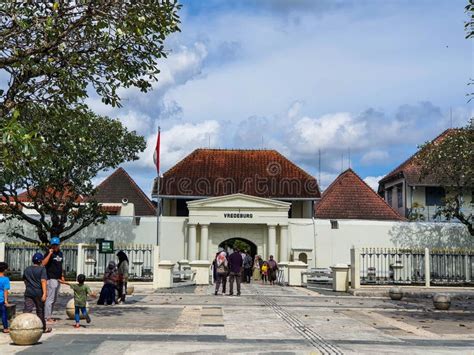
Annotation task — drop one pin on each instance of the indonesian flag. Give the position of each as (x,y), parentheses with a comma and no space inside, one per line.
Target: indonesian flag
(156,154)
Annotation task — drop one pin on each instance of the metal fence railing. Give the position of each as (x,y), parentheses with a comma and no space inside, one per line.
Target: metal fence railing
(140,257)
(378,266)
(19,256)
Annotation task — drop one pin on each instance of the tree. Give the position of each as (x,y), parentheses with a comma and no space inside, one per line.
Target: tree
(450,162)
(52,53)
(75,146)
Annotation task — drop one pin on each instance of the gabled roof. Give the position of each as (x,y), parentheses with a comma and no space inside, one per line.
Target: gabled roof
(217,172)
(120,185)
(410,169)
(349,197)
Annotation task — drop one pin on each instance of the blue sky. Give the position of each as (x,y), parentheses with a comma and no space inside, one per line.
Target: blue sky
(373,77)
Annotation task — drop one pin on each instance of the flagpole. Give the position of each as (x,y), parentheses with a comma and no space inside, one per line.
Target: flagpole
(158,204)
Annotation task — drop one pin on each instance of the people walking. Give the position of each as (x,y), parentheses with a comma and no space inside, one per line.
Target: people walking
(81,291)
(4,288)
(36,283)
(272,270)
(107,293)
(221,270)
(122,272)
(53,261)
(257,265)
(235,268)
(247,263)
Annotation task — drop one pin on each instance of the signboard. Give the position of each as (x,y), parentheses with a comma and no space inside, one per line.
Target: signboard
(238,215)
(106,246)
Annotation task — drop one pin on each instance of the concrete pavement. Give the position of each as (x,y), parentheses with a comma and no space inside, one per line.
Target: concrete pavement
(265,319)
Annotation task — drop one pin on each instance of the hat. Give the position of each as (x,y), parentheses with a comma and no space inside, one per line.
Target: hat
(54,241)
(37,258)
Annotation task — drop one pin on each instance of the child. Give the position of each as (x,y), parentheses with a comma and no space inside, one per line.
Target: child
(81,292)
(264,272)
(4,287)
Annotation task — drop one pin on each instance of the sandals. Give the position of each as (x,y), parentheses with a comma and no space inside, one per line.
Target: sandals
(5,331)
(48,330)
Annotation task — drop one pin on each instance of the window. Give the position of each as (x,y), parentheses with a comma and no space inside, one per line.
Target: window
(434,195)
(334,225)
(399,197)
(389,196)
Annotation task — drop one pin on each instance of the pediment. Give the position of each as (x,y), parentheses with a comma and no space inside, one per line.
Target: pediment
(238,201)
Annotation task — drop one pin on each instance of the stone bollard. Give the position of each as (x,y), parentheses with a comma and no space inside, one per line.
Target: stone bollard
(340,277)
(441,301)
(165,274)
(201,267)
(70,310)
(295,268)
(396,293)
(26,329)
(130,290)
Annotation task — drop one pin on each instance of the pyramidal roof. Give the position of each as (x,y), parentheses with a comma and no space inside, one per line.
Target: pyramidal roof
(120,185)
(349,197)
(216,172)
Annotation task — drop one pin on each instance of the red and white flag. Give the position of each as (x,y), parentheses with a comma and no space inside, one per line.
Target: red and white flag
(156,154)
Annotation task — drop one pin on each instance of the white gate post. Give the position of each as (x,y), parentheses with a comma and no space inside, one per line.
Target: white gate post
(156,261)
(427,268)
(467,261)
(80,259)
(3,251)
(355,268)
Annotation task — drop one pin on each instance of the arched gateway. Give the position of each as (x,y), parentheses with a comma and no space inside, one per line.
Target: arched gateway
(263,222)
(241,243)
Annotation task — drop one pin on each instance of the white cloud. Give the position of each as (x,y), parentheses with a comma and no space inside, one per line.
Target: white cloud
(178,141)
(373,181)
(338,131)
(374,156)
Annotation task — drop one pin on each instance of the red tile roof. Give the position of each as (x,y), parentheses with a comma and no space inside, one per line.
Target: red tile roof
(349,197)
(216,172)
(120,185)
(114,209)
(410,169)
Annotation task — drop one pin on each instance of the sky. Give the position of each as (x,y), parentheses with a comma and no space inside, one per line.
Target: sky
(363,82)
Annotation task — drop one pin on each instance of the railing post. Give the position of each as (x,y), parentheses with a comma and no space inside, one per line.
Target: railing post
(467,266)
(80,259)
(355,268)
(3,251)
(427,268)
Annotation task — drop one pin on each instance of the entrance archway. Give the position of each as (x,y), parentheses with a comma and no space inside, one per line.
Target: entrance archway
(241,243)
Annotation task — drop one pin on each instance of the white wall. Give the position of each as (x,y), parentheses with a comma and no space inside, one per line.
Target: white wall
(332,245)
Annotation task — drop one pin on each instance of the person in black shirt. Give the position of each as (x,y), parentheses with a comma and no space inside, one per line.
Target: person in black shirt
(35,279)
(53,261)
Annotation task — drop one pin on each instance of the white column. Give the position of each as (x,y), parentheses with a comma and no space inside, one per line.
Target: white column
(204,241)
(355,268)
(271,240)
(283,243)
(191,242)
(427,268)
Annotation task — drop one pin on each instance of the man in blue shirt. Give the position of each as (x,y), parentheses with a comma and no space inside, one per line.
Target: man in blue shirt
(235,268)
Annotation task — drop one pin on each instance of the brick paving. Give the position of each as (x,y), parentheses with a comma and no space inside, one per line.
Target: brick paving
(264,319)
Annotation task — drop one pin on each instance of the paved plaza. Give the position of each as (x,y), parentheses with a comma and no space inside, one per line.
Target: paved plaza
(264,319)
